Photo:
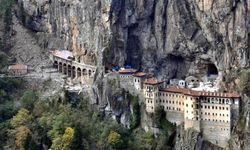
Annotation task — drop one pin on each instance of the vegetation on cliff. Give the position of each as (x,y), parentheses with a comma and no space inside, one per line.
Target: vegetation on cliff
(29,122)
(244,84)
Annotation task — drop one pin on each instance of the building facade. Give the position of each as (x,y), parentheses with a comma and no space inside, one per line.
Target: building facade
(18,69)
(211,113)
(66,63)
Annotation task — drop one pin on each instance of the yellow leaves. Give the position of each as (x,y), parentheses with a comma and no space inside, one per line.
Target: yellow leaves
(114,138)
(67,138)
(62,142)
(21,135)
(19,130)
(21,118)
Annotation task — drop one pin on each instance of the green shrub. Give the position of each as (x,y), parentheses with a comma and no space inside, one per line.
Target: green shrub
(28,99)
(136,116)
(162,123)
(244,85)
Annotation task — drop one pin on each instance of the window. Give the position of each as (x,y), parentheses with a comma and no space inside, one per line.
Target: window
(186,105)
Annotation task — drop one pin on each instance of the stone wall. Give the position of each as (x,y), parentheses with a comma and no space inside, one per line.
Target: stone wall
(216,133)
(175,117)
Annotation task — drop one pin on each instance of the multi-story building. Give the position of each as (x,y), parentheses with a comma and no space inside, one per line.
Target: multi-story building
(211,113)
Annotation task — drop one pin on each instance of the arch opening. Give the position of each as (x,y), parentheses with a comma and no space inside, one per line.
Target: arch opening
(69,70)
(84,72)
(73,72)
(55,64)
(79,72)
(65,69)
(90,73)
(60,67)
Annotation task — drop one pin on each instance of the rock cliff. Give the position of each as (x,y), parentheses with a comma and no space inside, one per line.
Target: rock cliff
(171,38)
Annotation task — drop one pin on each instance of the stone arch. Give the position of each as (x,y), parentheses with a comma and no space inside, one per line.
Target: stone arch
(79,72)
(65,68)
(55,65)
(90,73)
(60,67)
(84,72)
(69,70)
(73,72)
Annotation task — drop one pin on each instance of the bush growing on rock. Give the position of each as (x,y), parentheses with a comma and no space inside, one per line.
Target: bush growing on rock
(244,84)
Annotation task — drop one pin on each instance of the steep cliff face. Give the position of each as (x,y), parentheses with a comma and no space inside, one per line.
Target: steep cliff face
(78,25)
(171,37)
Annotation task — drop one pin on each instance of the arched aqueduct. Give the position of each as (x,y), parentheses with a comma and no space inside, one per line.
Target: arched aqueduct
(74,69)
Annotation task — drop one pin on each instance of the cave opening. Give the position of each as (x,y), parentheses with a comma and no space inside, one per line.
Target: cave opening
(212,70)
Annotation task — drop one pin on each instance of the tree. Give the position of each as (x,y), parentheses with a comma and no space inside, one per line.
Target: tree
(136,117)
(76,143)
(67,138)
(21,134)
(28,99)
(244,84)
(114,140)
(22,118)
(20,130)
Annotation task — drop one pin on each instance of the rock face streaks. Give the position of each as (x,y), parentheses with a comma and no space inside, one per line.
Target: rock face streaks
(172,38)
(153,35)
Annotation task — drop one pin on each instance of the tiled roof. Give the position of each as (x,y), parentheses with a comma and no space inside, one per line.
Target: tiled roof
(175,89)
(65,54)
(127,71)
(18,67)
(152,81)
(140,74)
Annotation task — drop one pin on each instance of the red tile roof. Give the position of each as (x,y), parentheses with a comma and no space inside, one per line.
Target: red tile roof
(127,71)
(18,67)
(185,91)
(152,81)
(140,74)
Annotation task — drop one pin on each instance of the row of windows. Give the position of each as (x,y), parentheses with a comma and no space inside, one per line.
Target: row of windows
(170,102)
(137,80)
(125,77)
(214,107)
(215,120)
(173,108)
(215,114)
(197,106)
(206,99)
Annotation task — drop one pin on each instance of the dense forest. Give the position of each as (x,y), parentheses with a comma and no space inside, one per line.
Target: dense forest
(28,122)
